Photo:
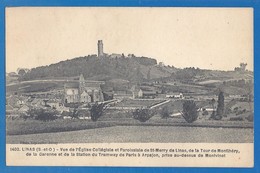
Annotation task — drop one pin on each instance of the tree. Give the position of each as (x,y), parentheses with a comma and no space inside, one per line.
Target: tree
(74,113)
(220,108)
(142,114)
(190,111)
(96,111)
(212,102)
(42,114)
(165,113)
(21,72)
(167,110)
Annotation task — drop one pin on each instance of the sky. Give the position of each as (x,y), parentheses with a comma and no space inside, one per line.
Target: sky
(208,38)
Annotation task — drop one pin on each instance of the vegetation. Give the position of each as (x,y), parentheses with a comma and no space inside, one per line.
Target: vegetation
(190,111)
(42,114)
(204,112)
(165,113)
(96,111)
(94,68)
(138,103)
(220,108)
(250,117)
(21,127)
(142,114)
(188,73)
(236,119)
(74,113)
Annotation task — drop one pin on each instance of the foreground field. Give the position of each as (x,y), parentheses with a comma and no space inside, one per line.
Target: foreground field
(23,127)
(20,127)
(141,134)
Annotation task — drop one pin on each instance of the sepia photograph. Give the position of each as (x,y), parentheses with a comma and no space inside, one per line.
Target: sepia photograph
(129,75)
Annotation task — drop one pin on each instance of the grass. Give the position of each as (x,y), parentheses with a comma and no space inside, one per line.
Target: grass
(19,127)
(137,103)
(34,86)
(139,134)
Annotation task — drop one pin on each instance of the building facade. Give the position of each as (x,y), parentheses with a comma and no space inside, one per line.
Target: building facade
(83,91)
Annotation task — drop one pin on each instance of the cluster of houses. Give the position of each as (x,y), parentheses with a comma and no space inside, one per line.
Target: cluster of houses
(80,92)
(122,89)
(17,104)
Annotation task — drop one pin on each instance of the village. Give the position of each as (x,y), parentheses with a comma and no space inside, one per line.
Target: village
(76,94)
(81,92)
(119,95)
(157,95)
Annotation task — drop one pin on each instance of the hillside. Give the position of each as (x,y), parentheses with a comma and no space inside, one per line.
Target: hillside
(137,70)
(134,69)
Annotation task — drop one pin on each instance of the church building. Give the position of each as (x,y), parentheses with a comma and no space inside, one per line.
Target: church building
(83,91)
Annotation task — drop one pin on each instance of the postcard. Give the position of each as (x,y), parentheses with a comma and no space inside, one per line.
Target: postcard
(129,86)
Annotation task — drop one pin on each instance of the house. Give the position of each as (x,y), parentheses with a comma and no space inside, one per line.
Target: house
(54,104)
(115,55)
(12,74)
(63,109)
(16,101)
(71,93)
(235,96)
(9,108)
(140,93)
(85,97)
(83,91)
(24,109)
(175,95)
(137,92)
(13,101)
(37,102)
(149,94)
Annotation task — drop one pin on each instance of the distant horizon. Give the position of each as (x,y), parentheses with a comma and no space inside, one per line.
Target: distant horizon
(179,37)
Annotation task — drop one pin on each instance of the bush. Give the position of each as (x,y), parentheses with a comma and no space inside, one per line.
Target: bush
(205,112)
(235,109)
(250,118)
(72,105)
(142,114)
(42,114)
(96,111)
(24,116)
(228,111)
(241,112)
(190,112)
(74,113)
(165,113)
(236,119)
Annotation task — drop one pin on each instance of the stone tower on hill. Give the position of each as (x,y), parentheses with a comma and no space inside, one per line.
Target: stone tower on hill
(100,48)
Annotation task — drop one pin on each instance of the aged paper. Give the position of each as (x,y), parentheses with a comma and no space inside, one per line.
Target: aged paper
(114,86)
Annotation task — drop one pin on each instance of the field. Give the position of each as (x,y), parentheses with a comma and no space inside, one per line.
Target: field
(29,126)
(19,127)
(136,134)
(188,88)
(33,86)
(138,103)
